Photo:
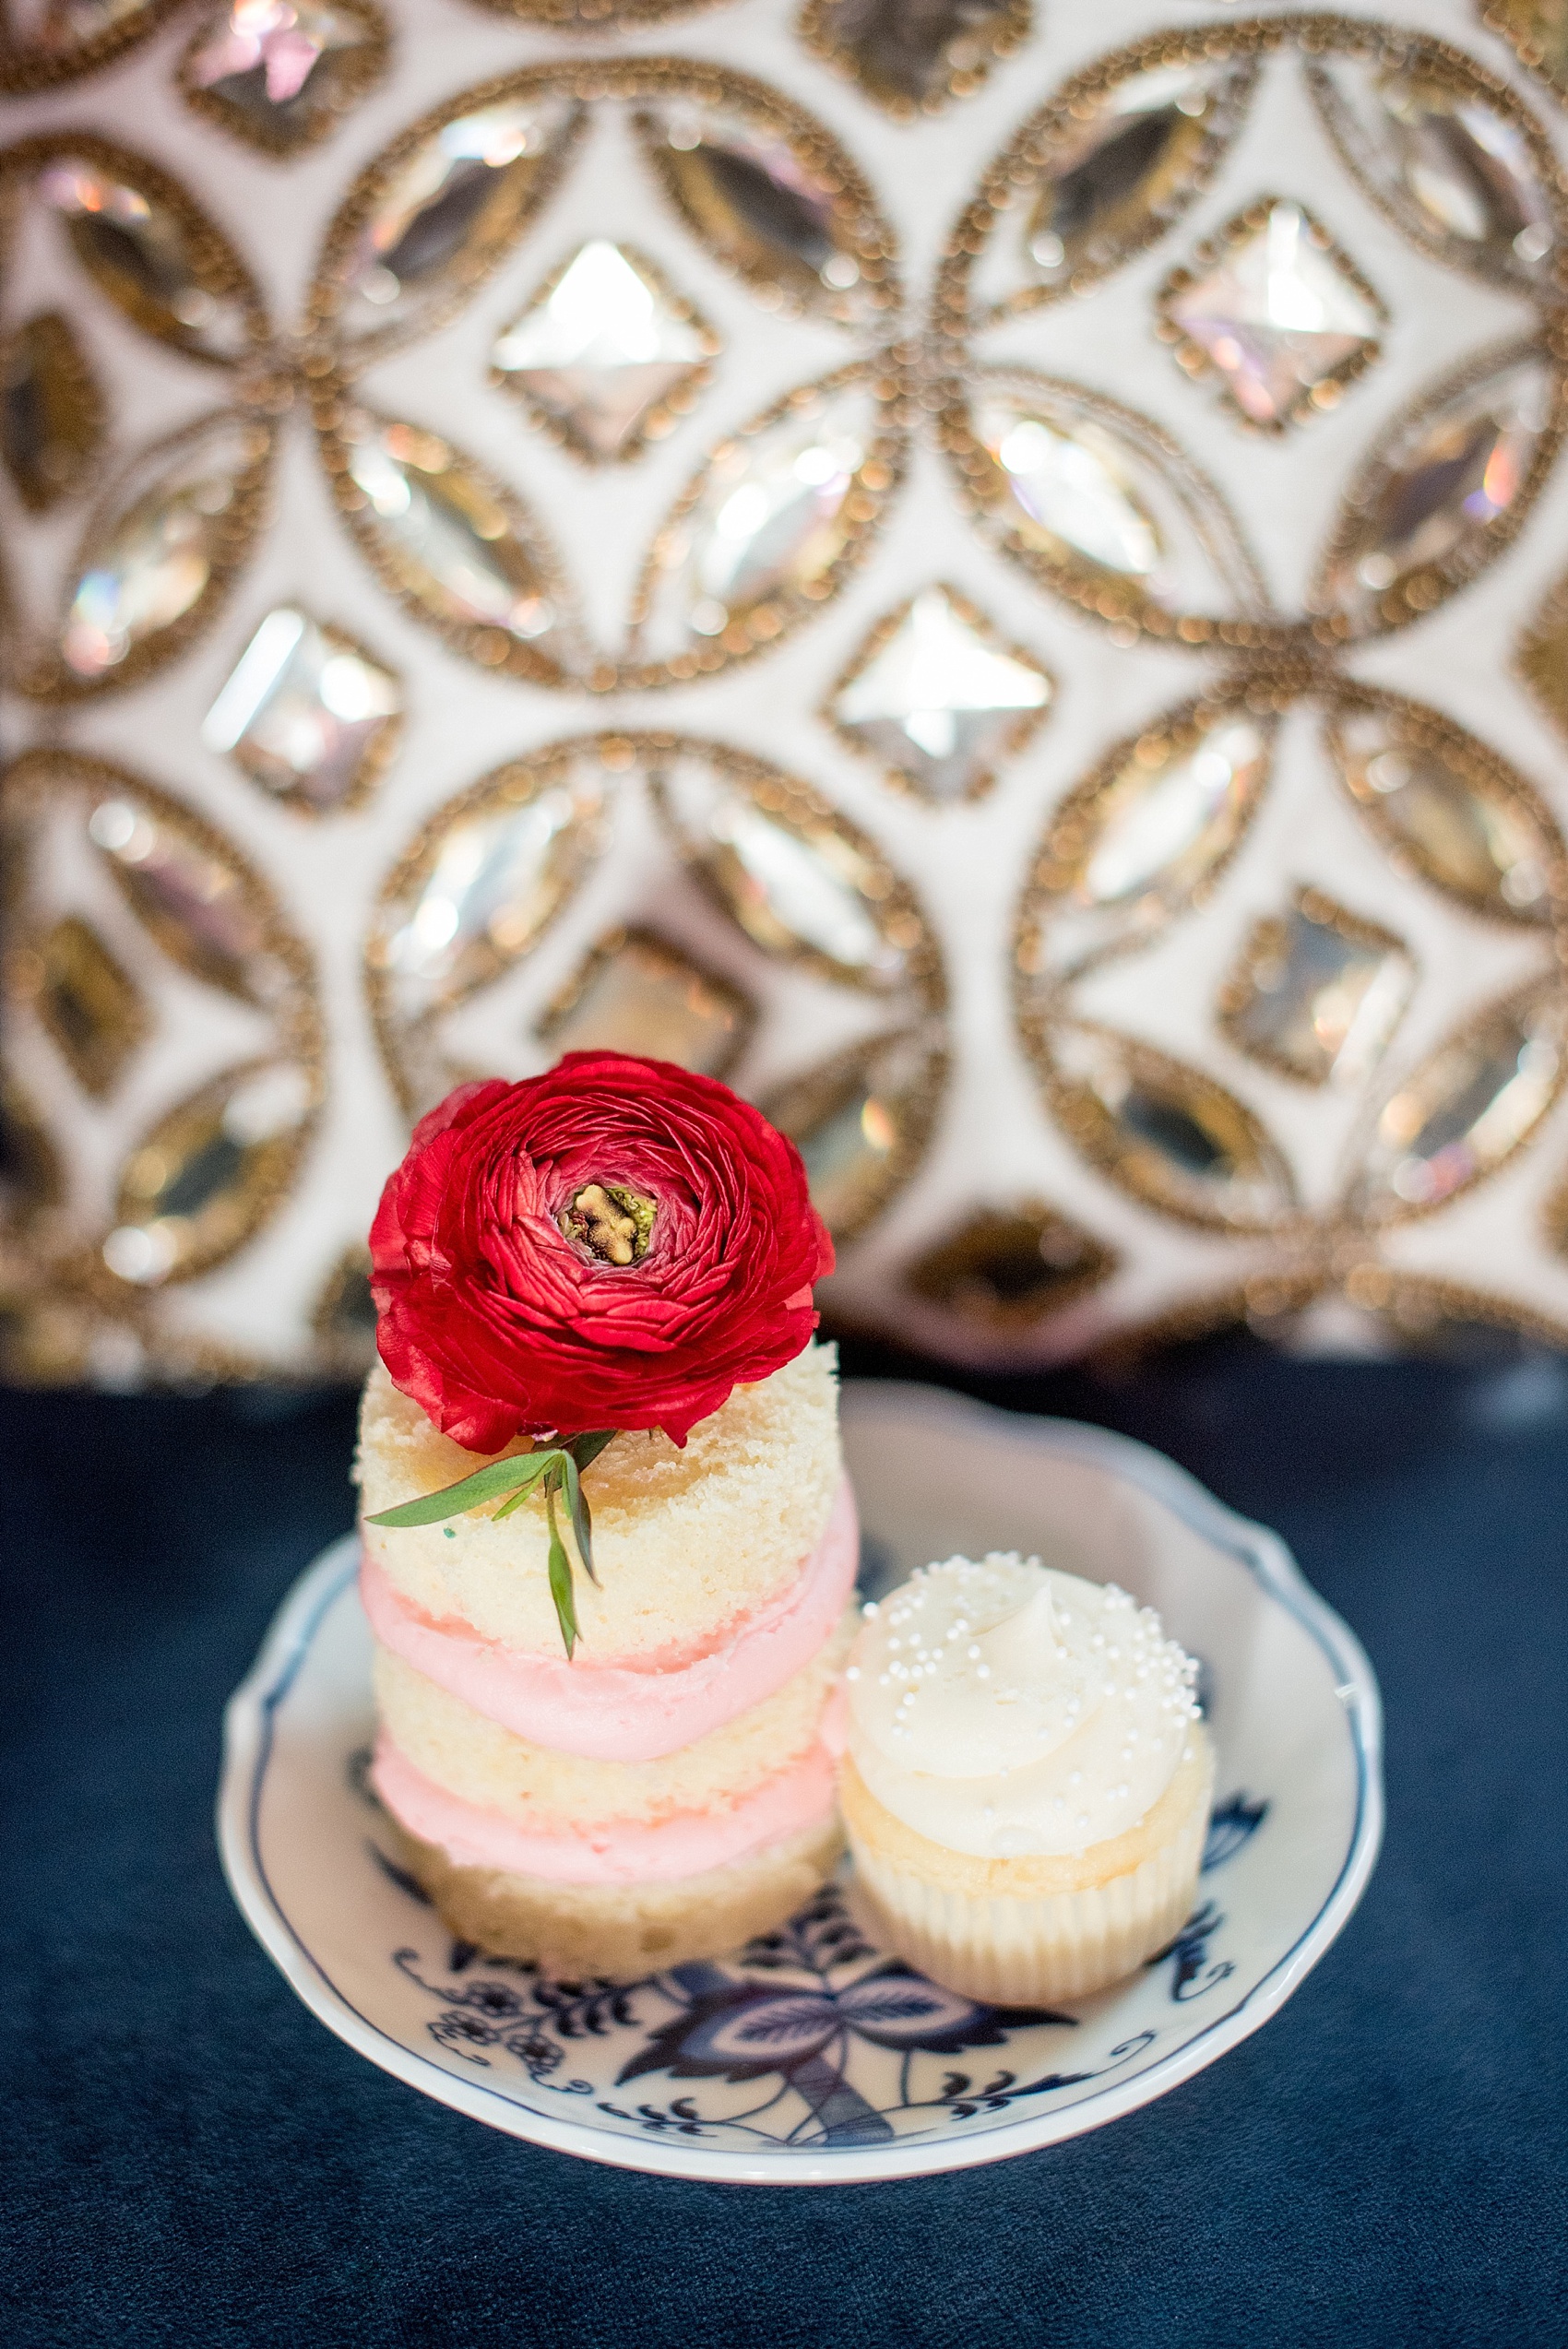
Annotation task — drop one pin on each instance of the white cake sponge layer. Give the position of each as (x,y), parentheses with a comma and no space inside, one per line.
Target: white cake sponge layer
(485,1764)
(684,1542)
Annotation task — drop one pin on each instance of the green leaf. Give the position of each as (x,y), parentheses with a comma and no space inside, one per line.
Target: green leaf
(522,1471)
(582,1522)
(586,1449)
(561,1578)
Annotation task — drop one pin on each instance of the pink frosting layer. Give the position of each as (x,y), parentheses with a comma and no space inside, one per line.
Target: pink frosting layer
(614,1851)
(635,1711)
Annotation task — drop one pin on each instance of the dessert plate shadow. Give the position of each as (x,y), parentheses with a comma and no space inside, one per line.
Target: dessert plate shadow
(809,2058)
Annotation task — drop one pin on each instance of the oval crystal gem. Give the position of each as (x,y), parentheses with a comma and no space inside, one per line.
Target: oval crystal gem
(1458,171)
(1466,1109)
(1166,1132)
(1449,811)
(775,514)
(860,1121)
(448,212)
(1441,494)
(181,511)
(489,881)
(210,1173)
(147,258)
(51,411)
(1127,163)
(200,907)
(798,881)
(762,211)
(458,547)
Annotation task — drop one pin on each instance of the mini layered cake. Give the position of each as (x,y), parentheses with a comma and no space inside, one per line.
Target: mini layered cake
(609,1548)
(669,1790)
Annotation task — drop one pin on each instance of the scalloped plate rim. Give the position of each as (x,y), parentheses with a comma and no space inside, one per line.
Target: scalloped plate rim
(248,1739)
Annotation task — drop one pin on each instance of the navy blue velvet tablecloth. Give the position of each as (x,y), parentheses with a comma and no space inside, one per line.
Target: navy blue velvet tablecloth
(190,2157)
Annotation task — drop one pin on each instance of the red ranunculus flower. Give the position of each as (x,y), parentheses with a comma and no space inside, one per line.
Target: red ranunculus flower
(617,1244)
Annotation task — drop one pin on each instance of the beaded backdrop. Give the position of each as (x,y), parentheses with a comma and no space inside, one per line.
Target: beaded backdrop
(989,573)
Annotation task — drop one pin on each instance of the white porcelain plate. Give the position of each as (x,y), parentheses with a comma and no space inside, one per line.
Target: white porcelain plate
(809,2057)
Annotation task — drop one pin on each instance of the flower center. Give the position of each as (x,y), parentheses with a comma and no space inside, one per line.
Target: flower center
(612,1221)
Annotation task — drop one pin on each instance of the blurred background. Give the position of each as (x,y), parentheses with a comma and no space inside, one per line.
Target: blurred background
(992,574)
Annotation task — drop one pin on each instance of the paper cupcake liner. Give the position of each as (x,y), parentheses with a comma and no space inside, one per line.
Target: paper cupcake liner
(1035,1950)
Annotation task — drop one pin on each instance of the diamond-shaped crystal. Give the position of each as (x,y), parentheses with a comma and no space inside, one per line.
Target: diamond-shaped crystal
(279,73)
(1318,992)
(1468,1106)
(452,543)
(306,711)
(1279,312)
(147,561)
(188,895)
(937,695)
(1123,163)
(51,411)
(1440,491)
(210,1173)
(601,348)
(639,993)
(89,1002)
(1451,810)
(907,53)
(448,212)
(148,258)
(861,1122)
(1005,1268)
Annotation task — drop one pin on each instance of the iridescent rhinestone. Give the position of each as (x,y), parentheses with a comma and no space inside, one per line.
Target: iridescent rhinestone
(193,900)
(639,993)
(486,886)
(87,1001)
(168,523)
(51,411)
(1070,491)
(933,694)
(1166,1132)
(606,351)
(306,711)
(1467,1108)
(797,880)
(210,1173)
(1318,992)
(1144,835)
(448,539)
(765,212)
(1006,1268)
(1442,491)
(279,73)
(773,515)
(1456,168)
(1277,310)
(860,1122)
(149,259)
(1128,162)
(1450,810)
(909,54)
(449,211)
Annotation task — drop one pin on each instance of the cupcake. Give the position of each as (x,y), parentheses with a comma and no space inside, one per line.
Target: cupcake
(1027,1782)
(609,1546)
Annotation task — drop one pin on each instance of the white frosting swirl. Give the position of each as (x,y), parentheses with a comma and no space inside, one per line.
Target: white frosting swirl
(1006,1709)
